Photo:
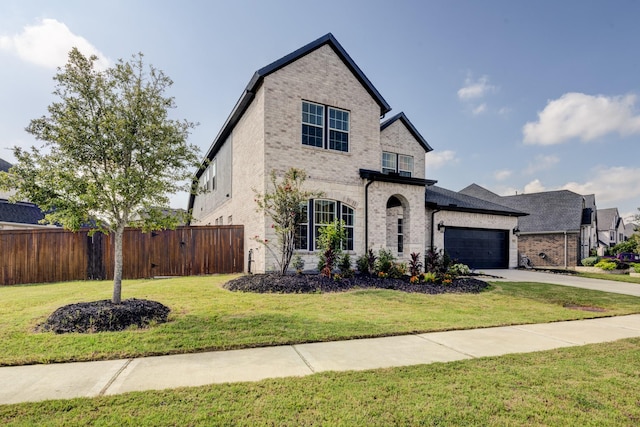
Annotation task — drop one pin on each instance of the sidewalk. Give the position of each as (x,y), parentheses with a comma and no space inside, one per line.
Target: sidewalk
(90,379)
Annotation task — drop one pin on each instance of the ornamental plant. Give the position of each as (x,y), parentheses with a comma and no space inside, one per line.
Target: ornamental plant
(111,152)
(285,206)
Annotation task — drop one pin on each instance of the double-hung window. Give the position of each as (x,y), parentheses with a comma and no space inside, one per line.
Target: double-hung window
(397,163)
(325,127)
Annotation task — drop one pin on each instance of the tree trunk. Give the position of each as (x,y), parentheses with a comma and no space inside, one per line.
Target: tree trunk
(117,270)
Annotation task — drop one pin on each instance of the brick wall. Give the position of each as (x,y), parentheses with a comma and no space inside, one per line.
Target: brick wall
(553,248)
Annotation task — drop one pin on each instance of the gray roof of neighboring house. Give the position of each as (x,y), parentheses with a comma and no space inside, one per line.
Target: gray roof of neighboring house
(4,166)
(412,129)
(21,212)
(441,198)
(606,217)
(549,211)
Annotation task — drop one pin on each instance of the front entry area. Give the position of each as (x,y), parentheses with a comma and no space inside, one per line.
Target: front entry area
(477,248)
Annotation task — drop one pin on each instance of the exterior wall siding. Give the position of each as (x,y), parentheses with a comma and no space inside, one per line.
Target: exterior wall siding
(246,167)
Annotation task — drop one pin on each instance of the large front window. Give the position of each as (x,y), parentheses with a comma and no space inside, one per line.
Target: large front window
(324,212)
(328,131)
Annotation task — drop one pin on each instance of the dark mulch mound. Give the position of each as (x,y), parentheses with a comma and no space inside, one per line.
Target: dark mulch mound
(104,316)
(310,283)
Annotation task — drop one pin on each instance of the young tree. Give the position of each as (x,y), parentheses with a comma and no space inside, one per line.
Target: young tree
(111,154)
(285,207)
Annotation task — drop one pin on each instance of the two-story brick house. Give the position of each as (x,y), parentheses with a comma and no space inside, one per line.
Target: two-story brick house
(314,109)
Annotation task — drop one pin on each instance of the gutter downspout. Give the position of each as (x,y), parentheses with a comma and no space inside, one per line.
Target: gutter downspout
(566,249)
(433,226)
(366,214)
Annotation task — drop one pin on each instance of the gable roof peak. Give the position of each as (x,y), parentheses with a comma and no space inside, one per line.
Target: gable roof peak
(410,127)
(331,41)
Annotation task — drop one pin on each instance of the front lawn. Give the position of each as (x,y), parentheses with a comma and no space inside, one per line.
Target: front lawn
(615,277)
(592,385)
(204,316)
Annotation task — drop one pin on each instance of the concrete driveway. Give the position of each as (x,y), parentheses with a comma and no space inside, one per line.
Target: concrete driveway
(513,275)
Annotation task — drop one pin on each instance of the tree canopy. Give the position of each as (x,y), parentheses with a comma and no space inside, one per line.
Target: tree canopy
(111,155)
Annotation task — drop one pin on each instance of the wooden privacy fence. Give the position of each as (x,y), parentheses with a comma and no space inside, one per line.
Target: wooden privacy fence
(54,255)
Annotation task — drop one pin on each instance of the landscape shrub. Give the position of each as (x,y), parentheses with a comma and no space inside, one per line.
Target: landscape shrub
(456,270)
(606,265)
(636,267)
(385,261)
(344,265)
(415,265)
(590,261)
(298,263)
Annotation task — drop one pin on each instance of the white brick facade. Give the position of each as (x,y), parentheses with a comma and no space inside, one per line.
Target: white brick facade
(264,133)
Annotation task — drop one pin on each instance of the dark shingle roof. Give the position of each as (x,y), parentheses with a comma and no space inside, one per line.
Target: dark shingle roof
(412,129)
(606,217)
(4,166)
(21,212)
(438,197)
(549,211)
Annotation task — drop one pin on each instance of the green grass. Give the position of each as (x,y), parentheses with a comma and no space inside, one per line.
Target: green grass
(592,385)
(206,317)
(615,277)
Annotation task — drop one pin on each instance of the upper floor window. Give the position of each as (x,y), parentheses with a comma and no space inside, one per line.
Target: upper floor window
(397,163)
(208,179)
(325,127)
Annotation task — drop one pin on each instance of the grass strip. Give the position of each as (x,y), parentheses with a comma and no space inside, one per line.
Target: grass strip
(590,385)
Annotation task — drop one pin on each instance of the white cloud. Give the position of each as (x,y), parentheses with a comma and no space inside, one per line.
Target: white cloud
(48,43)
(479,109)
(501,175)
(610,185)
(540,163)
(437,159)
(475,89)
(534,186)
(587,117)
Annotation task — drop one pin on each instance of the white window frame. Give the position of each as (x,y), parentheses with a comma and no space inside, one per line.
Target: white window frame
(403,160)
(389,162)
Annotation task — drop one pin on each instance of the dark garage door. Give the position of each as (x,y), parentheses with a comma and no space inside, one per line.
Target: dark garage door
(478,248)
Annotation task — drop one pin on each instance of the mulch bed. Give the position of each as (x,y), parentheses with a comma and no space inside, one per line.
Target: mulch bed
(104,316)
(312,283)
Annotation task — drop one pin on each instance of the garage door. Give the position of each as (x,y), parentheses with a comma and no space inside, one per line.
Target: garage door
(478,248)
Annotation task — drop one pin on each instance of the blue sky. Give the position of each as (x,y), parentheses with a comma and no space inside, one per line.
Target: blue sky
(516,96)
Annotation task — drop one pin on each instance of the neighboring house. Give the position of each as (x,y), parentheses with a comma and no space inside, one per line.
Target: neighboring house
(18,215)
(611,229)
(4,167)
(473,231)
(560,229)
(314,109)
